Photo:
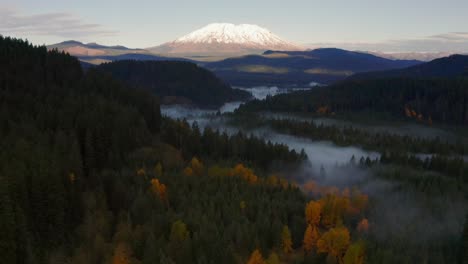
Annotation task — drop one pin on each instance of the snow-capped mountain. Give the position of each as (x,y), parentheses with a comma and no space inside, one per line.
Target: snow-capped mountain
(225,38)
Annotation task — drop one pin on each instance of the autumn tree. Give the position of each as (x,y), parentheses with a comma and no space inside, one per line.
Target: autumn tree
(179,242)
(333,208)
(286,240)
(363,226)
(334,242)
(196,166)
(355,253)
(179,232)
(313,211)
(188,171)
(158,170)
(245,173)
(242,205)
(311,237)
(122,254)
(159,189)
(273,259)
(141,172)
(256,258)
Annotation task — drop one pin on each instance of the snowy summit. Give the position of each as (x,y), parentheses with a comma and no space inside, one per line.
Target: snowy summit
(226,33)
(227,38)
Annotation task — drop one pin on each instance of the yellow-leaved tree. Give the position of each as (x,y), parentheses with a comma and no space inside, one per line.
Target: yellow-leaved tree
(179,232)
(196,166)
(334,242)
(286,240)
(158,170)
(355,254)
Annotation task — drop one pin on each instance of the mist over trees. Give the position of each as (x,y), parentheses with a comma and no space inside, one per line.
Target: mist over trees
(424,101)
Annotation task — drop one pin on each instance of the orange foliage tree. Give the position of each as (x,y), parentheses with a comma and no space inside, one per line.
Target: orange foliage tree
(333,209)
(313,211)
(256,258)
(122,254)
(159,189)
(188,171)
(245,173)
(363,226)
(334,242)
(311,237)
(141,172)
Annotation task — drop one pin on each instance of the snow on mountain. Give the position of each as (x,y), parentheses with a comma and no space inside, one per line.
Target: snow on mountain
(246,34)
(226,38)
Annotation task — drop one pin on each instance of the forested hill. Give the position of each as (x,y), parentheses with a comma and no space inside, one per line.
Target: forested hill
(168,79)
(441,100)
(325,66)
(448,67)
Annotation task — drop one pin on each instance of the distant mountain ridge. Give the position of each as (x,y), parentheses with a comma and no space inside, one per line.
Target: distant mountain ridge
(420,56)
(324,66)
(80,49)
(452,66)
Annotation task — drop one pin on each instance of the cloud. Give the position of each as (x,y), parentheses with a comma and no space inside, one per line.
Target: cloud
(452,42)
(454,36)
(60,24)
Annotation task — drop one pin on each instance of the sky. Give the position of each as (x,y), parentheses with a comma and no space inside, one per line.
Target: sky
(393,26)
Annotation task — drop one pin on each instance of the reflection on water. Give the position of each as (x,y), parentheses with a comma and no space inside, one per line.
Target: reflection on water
(261,92)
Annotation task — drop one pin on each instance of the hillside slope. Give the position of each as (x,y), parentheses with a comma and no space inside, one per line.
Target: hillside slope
(300,67)
(438,100)
(183,80)
(452,66)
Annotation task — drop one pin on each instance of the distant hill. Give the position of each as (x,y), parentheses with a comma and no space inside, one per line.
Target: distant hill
(452,66)
(300,67)
(420,56)
(80,49)
(175,81)
(420,100)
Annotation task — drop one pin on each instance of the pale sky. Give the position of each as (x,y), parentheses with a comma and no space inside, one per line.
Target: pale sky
(397,25)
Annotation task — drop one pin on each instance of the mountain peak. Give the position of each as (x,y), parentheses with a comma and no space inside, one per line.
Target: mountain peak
(249,35)
(226,38)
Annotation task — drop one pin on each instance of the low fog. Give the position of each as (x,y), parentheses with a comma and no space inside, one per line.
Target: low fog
(413,130)
(261,92)
(397,213)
